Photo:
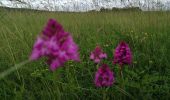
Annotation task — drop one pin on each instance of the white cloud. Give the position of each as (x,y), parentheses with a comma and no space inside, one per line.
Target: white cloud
(83,5)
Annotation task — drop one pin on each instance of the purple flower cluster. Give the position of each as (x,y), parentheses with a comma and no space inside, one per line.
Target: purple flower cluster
(122,54)
(104,76)
(55,44)
(97,55)
(59,47)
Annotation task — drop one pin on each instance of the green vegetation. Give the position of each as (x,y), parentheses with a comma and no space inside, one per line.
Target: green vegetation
(148,34)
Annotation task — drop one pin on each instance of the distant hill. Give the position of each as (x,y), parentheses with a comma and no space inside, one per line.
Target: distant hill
(101,10)
(121,9)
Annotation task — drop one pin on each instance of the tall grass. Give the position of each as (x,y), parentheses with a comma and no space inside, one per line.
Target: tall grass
(146,32)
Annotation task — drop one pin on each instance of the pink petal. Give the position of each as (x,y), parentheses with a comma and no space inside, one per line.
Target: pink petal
(97,60)
(103,55)
(35,55)
(92,56)
(55,64)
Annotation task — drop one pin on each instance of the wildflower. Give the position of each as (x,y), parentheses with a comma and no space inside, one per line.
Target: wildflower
(52,28)
(97,55)
(122,54)
(55,44)
(104,76)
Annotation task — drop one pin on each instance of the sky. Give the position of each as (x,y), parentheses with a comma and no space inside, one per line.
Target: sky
(77,5)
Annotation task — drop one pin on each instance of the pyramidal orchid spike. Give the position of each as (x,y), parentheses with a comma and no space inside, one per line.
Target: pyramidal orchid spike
(104,77)
(97,54)
(55,44)
(122,54)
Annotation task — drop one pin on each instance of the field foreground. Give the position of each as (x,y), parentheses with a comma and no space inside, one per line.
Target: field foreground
(148,35)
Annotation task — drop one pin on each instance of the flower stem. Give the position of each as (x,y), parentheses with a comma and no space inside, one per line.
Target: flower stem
(12,69)
(97,66)
(104,94)
(121,75)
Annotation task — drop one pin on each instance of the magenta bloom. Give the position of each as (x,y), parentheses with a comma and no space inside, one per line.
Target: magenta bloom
(122,54)
(55,44)
(97,55)
(52,28)
(104,76)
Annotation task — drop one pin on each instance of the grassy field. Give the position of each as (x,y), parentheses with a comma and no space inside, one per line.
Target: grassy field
(148,34)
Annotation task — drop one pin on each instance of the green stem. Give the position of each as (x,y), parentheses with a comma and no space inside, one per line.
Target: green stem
(123,85)
(121,75)
(97,66)
(104,94)
(12,69)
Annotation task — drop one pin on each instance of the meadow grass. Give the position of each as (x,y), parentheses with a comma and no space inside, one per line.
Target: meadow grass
(148,34)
